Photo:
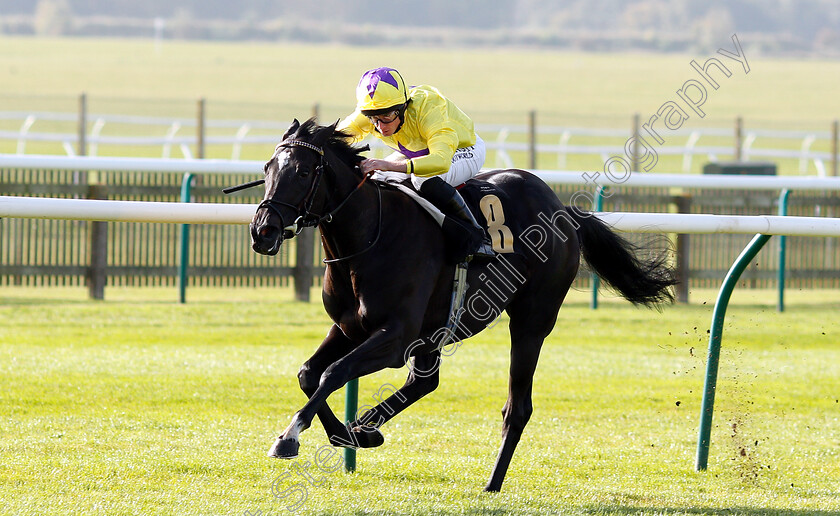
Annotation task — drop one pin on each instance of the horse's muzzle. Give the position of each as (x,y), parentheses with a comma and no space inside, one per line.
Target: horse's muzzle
(266,239)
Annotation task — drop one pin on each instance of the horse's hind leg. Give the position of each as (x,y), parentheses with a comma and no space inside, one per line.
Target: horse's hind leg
(423,378)
(530,324)
(518,408)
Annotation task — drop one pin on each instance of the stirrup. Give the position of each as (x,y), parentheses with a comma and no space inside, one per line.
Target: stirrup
(456,304)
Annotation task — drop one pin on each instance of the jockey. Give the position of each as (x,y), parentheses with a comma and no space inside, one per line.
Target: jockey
(435,143)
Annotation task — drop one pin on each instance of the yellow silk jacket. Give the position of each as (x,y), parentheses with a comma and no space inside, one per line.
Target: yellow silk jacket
(433,129)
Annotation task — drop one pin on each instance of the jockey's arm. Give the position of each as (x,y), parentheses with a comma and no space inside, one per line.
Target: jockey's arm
(356,125)
(384,165)
(442,144)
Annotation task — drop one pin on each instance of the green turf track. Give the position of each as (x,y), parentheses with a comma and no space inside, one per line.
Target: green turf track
(140,405)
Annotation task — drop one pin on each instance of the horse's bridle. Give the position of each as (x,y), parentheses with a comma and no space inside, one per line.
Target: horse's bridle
(305,217)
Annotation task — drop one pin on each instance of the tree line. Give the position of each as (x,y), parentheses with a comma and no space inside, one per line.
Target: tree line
(774,26)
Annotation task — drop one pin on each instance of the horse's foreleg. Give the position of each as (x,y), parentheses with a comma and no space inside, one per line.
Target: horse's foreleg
(379,351)
(423,378)
(335,346)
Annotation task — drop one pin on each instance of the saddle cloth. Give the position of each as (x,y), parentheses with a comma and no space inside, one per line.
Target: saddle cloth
(484,199)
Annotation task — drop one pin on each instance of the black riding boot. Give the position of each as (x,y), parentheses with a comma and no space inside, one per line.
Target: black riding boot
(447,199)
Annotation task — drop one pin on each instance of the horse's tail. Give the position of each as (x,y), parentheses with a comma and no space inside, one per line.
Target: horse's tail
(645,282)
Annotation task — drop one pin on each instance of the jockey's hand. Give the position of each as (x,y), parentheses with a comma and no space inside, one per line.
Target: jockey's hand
(369,165)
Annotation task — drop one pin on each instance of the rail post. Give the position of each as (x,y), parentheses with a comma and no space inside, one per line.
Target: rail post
(97,273)
(304,269)
(783,202)
(634,159)
(305,252)
(82,128)
(184,257)
(683,269)
(715,335)
(739,137)
(835,147)
(597,205)
(351,402)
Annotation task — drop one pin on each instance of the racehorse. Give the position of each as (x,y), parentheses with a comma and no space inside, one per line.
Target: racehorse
(389,279)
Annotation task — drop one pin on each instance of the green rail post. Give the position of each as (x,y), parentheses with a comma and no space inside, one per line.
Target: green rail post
(783,201)
(186,196)
(715,336)
(597,205)
(351,402)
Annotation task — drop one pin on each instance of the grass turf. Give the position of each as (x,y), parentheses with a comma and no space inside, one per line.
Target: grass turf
(140,405)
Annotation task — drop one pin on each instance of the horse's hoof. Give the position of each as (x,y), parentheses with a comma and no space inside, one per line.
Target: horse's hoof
(284,448)
(368,437)
(359,437)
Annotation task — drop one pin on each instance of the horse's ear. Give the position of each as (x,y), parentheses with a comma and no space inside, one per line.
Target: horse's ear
(292,128)
(323,134)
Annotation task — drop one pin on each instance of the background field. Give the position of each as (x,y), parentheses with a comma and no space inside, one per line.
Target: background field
(584,84)
(139,405)
(261,81)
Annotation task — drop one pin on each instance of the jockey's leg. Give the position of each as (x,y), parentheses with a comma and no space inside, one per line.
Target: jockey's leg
(449,201)
(440,191)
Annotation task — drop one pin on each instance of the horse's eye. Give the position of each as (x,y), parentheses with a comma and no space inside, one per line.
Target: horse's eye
(265,167)
(303,171)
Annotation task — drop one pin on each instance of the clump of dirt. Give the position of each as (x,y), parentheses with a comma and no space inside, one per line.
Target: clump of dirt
(746,456)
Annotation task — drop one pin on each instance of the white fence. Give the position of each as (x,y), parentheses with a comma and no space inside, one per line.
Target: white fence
(237,214)
(207,213)
(179,135)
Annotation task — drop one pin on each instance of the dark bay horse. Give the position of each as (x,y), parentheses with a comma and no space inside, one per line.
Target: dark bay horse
(388,280)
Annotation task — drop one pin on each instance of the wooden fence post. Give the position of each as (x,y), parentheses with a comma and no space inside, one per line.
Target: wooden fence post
(532,139)
(739,137)
(637,120)
(683,265)
(304,268)
(305,252)
(97,274)
(199,151)
(82,128)
(835,146)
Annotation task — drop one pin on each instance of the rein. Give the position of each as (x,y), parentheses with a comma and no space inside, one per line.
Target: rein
(378,225)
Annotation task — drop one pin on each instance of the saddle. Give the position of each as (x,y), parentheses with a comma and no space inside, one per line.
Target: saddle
(485,200)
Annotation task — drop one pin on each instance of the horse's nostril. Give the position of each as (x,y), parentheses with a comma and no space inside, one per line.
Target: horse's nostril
(264,231)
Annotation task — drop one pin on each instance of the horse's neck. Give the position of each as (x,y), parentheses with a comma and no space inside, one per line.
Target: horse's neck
(355,225)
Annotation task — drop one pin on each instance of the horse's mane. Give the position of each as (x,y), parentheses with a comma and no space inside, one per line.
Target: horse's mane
(338,142)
